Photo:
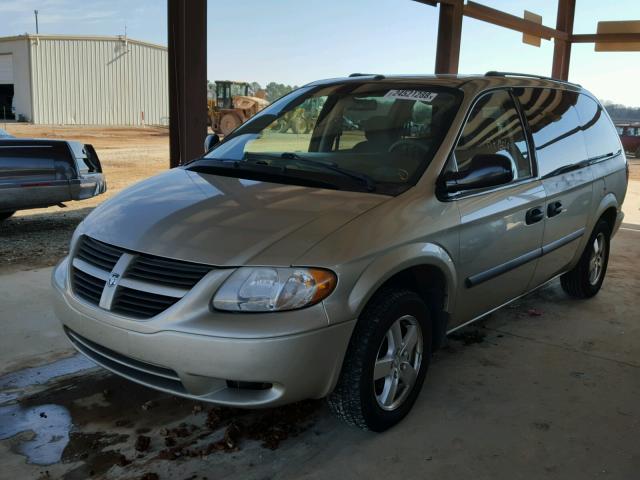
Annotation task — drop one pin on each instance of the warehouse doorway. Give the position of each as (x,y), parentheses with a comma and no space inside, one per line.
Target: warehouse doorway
(6,86)
(6,102)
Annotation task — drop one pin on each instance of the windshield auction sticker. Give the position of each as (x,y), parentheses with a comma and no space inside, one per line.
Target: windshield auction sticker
(411,95)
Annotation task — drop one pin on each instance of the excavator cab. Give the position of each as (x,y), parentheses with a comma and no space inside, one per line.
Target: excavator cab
(226,90)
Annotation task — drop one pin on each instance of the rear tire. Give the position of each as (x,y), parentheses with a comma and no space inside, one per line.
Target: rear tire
(391,342)
(5,215)
(585,280)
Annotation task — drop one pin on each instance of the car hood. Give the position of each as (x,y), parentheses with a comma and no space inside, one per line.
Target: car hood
(221,220)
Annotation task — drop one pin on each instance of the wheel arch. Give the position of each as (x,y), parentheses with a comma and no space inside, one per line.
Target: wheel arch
(426,268)
(607,210)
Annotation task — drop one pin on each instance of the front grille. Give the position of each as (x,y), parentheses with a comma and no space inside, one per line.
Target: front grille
(169,272)
(87,286)
(98,254)
(140,304)
(143,285)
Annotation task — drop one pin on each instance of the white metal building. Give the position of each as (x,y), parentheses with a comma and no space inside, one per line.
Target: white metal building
(56,79)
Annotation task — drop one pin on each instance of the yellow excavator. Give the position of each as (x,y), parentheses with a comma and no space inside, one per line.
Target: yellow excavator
(232,105)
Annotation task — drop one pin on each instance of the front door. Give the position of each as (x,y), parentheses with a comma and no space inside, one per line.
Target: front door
(500,229)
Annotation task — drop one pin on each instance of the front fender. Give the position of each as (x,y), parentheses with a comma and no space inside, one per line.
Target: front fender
(386,266)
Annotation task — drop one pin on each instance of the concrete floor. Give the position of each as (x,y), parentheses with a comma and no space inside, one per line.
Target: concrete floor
(30,330)
(551,392)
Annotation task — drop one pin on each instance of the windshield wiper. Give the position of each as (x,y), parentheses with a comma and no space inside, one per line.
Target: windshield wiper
(334,167)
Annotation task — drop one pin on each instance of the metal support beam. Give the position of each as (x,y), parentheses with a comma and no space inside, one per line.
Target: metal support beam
(449,37)
(187,35)
(606,38)
(506,20)
(562,47)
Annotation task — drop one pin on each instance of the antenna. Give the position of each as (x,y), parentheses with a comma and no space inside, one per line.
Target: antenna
(35,12)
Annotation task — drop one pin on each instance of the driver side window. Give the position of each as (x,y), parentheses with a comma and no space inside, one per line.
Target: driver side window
(494,127)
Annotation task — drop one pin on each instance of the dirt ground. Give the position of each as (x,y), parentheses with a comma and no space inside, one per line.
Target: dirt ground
(40,237)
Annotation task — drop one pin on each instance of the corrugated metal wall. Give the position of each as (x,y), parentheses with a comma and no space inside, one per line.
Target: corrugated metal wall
(99,82)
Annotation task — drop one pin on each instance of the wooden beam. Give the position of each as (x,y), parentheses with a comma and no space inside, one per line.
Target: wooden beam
(449,37)
(562,46)
(606,38)
(506,20)
(433,3)
(187,38)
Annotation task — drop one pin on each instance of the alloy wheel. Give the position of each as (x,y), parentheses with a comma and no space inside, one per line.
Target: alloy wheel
(597,259)
(398,362)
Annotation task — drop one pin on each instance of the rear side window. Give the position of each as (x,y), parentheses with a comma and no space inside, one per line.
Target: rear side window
(555,126)
(18,162)
(494,127)
(599,133)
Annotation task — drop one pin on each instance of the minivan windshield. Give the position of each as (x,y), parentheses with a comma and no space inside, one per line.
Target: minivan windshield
(350,136)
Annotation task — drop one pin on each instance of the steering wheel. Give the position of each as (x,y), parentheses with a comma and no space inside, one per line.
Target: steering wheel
(408,144)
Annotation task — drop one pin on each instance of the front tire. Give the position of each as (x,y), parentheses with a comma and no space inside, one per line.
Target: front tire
(585,280)
(386,362)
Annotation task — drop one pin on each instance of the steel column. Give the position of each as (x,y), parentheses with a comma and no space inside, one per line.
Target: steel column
(562,48)
(187,38)
(449,37)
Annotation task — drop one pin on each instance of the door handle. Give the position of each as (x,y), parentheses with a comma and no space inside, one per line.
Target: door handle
(554,208)
(534,215)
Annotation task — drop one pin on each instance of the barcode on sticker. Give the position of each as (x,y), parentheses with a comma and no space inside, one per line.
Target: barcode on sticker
(412,95)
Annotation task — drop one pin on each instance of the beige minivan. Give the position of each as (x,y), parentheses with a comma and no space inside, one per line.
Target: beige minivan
(331,261)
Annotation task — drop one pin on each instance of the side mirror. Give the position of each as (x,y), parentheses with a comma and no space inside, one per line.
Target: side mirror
(486,170)
(210,142)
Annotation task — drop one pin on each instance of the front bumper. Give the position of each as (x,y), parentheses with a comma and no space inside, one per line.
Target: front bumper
(198,354)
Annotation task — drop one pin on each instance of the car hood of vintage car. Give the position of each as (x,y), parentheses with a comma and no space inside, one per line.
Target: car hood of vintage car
(223,221)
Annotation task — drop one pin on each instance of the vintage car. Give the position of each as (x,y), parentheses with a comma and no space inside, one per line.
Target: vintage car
(41,173)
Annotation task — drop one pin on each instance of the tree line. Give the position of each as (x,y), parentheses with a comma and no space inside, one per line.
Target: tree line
(622,113)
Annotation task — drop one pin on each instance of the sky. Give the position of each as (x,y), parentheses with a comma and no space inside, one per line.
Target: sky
(298,41)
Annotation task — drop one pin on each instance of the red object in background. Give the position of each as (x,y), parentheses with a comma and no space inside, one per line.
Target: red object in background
(630,137)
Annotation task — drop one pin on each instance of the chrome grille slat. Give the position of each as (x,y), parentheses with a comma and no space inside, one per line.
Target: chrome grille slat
(109,257)
(103,246)
(157,288)
(90,269)
(98,262)
(136,285)
(141,304)
(142,296)
(169,272)
(97,253)
(176,264)
(174,282)
(87,287)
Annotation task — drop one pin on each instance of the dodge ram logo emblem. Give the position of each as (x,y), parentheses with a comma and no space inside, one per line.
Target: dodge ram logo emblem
(113,279)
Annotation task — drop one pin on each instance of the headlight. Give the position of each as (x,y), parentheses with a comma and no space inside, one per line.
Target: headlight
(267,289)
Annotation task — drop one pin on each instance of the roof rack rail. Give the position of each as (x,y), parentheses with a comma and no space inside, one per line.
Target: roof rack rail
(376,76)
(494,73)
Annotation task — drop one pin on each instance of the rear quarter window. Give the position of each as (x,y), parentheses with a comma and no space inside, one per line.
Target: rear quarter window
(599,133)
(555,126)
